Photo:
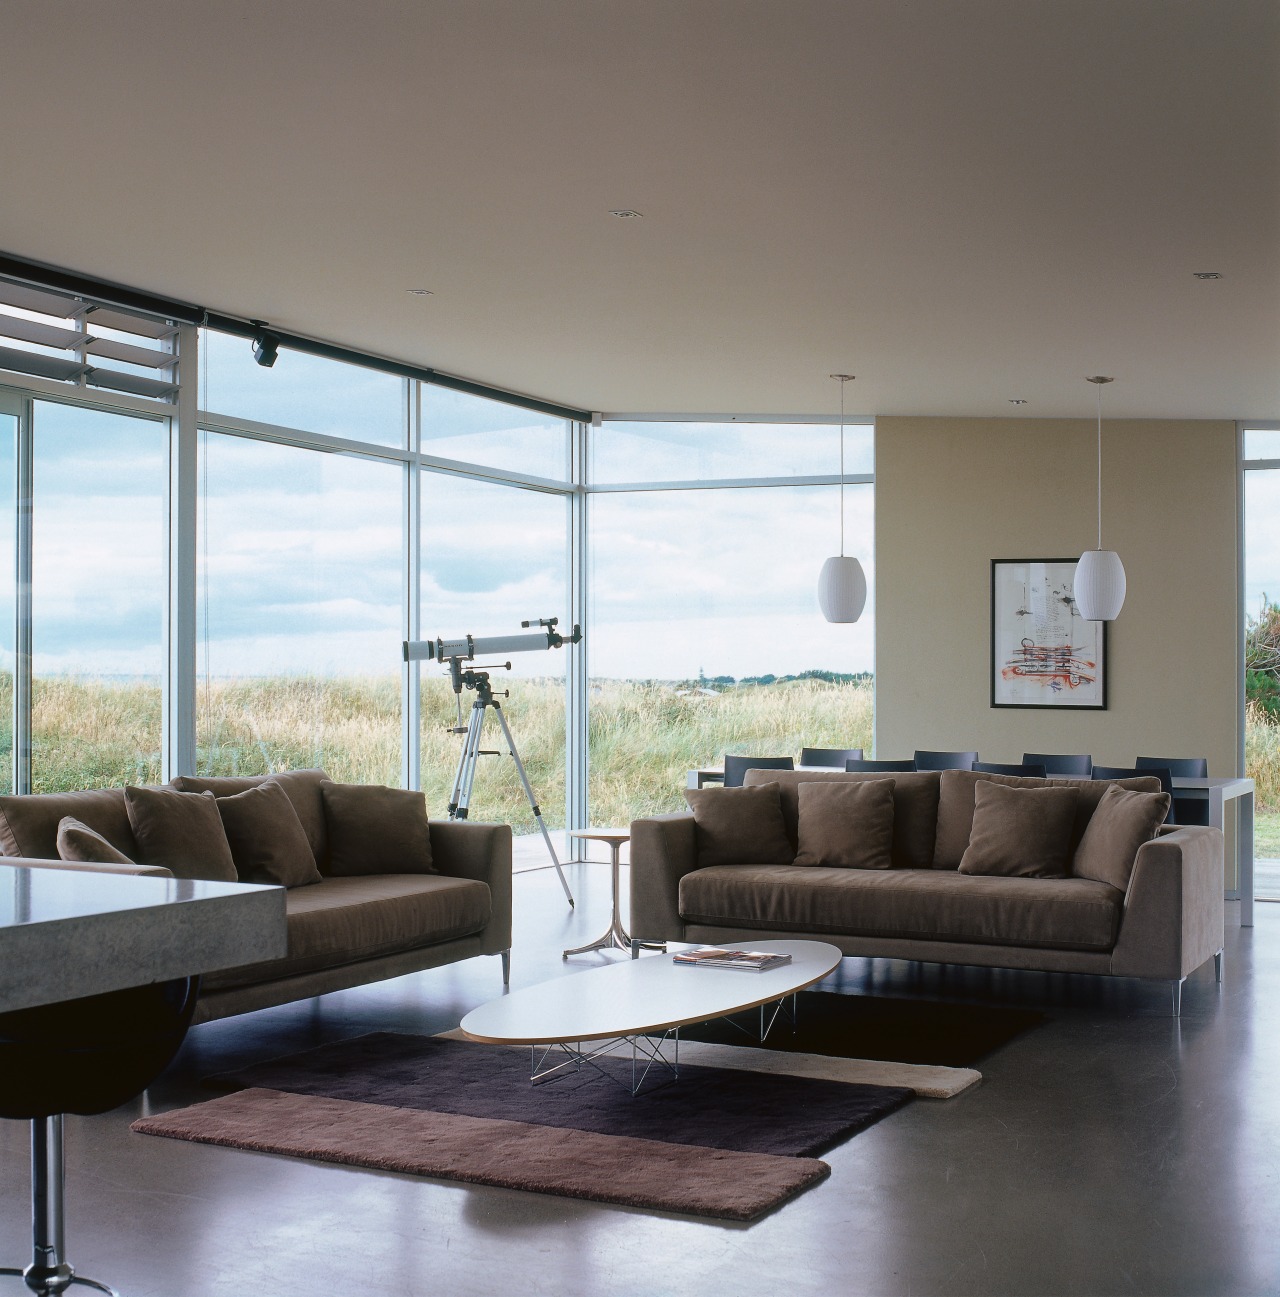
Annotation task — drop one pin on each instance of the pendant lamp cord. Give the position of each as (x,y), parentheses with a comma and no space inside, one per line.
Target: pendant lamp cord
(842,383)
(1099,386)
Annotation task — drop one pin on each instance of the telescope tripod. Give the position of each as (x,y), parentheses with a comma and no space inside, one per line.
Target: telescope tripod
(460,798)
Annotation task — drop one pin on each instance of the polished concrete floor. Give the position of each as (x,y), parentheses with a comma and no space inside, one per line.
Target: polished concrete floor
(1111,1150)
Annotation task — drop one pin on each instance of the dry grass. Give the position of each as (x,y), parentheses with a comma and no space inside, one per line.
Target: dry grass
(643,737)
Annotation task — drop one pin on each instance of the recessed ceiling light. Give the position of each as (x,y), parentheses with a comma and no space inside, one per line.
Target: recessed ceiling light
(420,292)
(1206,274)
(625,213)
(1017,400)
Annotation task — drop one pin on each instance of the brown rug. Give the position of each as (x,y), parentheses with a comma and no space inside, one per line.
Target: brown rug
(725,1143)
(717,1183)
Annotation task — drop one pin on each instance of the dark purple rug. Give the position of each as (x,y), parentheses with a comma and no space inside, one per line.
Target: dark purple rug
(747,1112)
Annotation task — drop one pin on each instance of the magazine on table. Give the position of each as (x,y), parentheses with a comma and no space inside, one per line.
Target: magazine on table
(755,961)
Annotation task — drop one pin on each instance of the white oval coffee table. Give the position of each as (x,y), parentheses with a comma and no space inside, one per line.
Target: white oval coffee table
(642,1003)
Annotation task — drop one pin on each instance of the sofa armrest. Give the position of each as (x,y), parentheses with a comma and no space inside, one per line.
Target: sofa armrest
(87,867)
(1174,914)
(663,850)
(470,849)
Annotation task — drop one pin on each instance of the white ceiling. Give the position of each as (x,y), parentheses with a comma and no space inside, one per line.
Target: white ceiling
(959,202)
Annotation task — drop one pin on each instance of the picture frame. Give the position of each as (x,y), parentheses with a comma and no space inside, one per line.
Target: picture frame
(1043,653)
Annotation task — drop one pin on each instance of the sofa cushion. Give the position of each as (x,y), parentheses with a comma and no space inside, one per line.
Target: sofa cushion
(344,920)
(735,825)
(182,832)
(846,824)
(376,830)
(922,904)
(915,806)
(29,822)
(1123,821)
(301,786)
(956,801)
(79,842)
(1021,832)
(266,837)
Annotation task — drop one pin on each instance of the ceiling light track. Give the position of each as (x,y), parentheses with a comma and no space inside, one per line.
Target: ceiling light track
(37,274)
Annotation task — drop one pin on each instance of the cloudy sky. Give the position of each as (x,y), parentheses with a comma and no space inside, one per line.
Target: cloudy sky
(300,551)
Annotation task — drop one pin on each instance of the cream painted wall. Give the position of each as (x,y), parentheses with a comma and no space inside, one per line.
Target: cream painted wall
(952,494)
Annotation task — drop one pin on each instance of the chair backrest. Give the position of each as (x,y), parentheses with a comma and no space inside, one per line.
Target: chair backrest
(1178,767)
(945,760)
(735,767)
(1061,763)
(900,767)
(835,757)
(1131,772)
(1027,770)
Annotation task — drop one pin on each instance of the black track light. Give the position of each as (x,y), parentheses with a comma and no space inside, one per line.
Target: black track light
(266,346)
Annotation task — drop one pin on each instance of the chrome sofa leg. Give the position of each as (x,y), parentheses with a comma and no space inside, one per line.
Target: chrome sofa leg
(635,948)
(506,967)
(1176,988)
(1217,966)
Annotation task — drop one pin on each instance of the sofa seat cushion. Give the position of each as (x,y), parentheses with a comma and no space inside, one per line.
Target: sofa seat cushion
(343,920)
(915,806)
(1050,913)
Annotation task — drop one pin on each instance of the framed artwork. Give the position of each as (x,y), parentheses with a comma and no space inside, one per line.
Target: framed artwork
(1043,653)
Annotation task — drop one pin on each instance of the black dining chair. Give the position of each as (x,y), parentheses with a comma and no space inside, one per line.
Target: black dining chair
(945,760)
(1191,810)
(84,1056)
(1061,763)
(900,767)
(834,757)
(1132,772)
(1027,770)
(737,766)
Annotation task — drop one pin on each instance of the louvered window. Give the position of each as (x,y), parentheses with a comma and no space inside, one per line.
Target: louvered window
(71,340)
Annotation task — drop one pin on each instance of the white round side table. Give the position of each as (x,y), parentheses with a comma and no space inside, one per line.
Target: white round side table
(616,936)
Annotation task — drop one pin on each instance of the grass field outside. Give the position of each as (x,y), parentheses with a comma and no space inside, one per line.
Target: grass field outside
(643,736)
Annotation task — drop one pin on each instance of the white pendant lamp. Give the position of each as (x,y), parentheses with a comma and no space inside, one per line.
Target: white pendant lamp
(842,584)
(1099,582)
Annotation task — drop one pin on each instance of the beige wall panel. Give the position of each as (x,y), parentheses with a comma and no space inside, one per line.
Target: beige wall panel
(952,494)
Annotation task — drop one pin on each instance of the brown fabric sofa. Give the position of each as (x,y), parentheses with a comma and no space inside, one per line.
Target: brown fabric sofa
(1168,921)
(343,931)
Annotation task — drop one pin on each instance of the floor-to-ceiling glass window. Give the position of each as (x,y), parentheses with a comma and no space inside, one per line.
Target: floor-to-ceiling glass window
(494,553)
(493,556)
(299,612)
(12,409)
(97,596)
(1262,649)
(705,630)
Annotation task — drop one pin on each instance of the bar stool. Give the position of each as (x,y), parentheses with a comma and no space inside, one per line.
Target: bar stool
(84,1056)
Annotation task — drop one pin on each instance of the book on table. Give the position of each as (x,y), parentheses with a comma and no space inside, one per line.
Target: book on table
(756,961)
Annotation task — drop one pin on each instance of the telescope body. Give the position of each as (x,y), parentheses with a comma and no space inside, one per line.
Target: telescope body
(471,646)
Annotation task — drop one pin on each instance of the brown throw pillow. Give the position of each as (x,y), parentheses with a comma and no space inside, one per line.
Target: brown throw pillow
(739,826)
(182,832)
(847,824)
(78,841)
(376,830)
(1123,821)
(1020,832)
(266,837)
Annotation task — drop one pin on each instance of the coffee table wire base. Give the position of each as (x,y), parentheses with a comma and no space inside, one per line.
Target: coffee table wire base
(572,1056)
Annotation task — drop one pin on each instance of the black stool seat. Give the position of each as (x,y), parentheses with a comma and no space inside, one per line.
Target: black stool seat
(84,1056)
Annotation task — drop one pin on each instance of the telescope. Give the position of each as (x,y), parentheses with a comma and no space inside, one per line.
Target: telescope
(442,650)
